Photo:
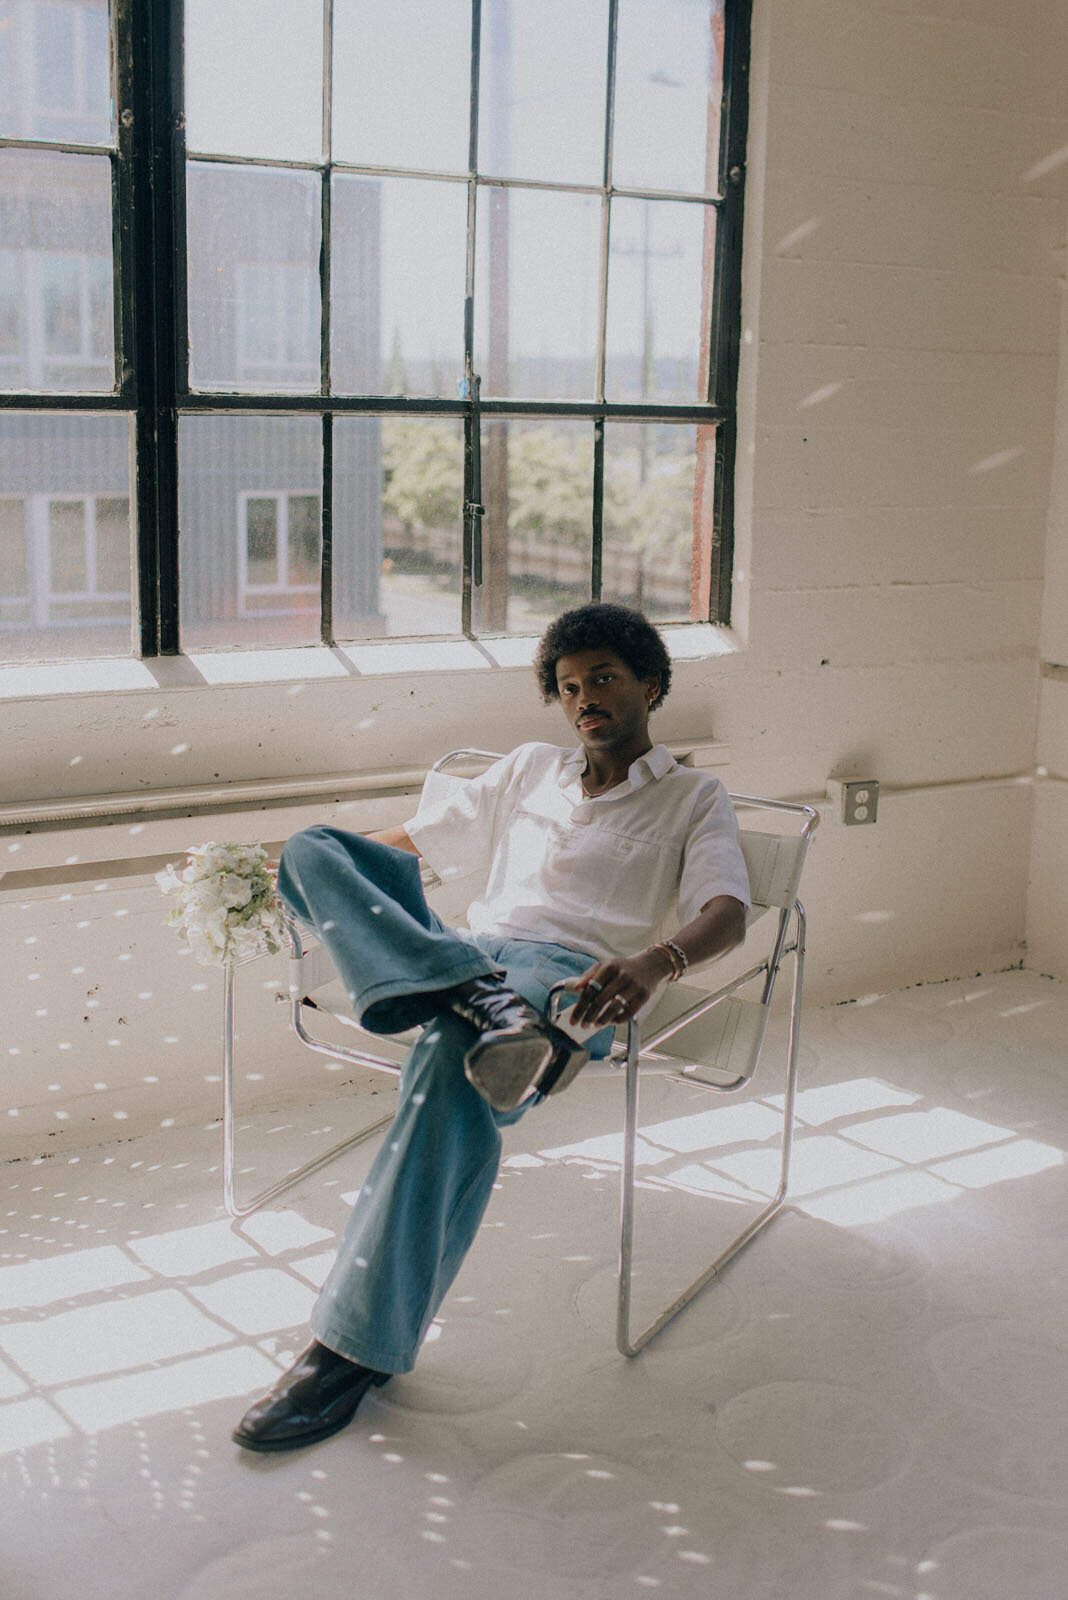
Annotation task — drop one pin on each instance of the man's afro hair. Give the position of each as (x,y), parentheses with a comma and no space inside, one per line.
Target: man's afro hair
(609,627)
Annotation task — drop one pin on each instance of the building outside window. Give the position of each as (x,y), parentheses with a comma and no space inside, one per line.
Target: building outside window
(424,323)
(278,327)
(278,571)
(65,561)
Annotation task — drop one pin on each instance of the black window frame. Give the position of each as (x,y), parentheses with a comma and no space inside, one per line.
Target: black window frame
(148,164)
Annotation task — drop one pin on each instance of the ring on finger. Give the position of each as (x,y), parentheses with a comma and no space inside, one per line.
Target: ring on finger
(595,986)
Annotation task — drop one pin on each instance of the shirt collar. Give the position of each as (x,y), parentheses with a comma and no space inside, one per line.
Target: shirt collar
(653,765)
(657,762)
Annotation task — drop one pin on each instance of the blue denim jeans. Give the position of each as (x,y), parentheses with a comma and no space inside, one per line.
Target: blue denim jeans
(420,1208)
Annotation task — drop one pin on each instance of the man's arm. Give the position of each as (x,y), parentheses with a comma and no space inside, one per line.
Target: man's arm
(394,836)
(718,927)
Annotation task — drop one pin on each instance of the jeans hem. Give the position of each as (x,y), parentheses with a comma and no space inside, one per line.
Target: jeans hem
(479,966)
(378,1361)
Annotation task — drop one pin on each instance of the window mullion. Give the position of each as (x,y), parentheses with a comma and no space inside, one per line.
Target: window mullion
(326,596)
(153,29)
(172,345)
(473,508)
(606,201)
(597,510)
(597,551)
(727,286)
(727,297)
(471,511)
(327,525)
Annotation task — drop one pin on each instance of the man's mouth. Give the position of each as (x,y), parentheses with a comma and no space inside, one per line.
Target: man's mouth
(592,719)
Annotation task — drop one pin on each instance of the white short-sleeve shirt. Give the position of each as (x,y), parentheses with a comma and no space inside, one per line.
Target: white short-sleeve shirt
(607,876)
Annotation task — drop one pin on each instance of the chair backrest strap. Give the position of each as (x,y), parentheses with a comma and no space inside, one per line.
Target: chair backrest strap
(774,863)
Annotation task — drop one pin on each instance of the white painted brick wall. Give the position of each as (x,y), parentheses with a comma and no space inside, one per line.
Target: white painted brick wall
(906,233)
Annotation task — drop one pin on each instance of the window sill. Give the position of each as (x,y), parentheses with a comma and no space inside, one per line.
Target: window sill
(385,658)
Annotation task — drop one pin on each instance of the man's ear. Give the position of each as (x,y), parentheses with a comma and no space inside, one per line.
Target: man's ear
(652,689)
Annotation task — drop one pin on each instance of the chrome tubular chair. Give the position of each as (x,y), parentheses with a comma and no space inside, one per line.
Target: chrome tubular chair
(712,1038)
(726,1034)
(304,961)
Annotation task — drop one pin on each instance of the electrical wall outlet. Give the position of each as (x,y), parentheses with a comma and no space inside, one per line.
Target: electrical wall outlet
(860,802)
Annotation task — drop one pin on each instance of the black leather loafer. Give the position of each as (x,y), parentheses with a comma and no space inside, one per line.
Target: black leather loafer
(315,1398)
(567,1062)
(515,1047)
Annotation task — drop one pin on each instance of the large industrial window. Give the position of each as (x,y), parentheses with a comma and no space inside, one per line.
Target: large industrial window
(381,319)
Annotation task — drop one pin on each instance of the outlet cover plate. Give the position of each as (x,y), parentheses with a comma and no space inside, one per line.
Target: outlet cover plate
(860,802)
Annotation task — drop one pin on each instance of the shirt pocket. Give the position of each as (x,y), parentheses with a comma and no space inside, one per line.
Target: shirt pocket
(635,880)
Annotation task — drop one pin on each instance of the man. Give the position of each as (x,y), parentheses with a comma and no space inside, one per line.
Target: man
(589,855)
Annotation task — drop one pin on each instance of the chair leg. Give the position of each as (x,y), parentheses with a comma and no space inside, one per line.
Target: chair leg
(235,1210)
(630,1344)
(626,1229)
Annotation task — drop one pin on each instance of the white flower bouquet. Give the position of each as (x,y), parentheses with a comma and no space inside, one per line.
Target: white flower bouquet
(228,906)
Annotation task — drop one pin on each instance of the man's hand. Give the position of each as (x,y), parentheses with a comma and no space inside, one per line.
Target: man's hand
(615,991)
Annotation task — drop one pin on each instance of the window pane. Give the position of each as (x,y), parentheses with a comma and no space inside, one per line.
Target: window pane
(261,541)
(14,566)
(66,542)
(236,478)
(669,65)
(65,538)
(658,480)
(542,91)
(254,77)
(537,293)
(537,487)
(61,294)
(399,268)
(253,279)
(99,309)
(56,321)
(112,543)
(56,76)
(55,71)
(398,493)
(304,538)
(661,260)
(8,120)
(402,81)
(9,317)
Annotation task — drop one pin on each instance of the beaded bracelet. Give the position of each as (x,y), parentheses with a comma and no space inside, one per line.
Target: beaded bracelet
(673,953)
(676,950)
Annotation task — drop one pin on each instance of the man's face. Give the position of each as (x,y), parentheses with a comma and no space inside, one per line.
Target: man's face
(603,700)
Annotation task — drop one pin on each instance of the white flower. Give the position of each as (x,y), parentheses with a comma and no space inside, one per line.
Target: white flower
(227,905)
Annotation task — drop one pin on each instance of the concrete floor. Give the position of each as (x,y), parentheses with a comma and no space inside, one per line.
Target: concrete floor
(871,1402)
